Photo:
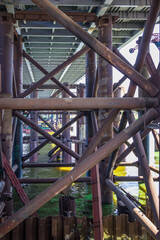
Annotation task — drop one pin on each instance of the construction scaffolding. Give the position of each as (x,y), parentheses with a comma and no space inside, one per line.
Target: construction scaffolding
(99,105)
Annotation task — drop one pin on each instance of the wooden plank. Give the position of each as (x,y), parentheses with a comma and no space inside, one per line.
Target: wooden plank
(8,235)
(124,224)
(44,228)
(86,228)
(69,223)
(135,230)
(57,228)
(109,225)
(118,227)
(31,228)
(18,232)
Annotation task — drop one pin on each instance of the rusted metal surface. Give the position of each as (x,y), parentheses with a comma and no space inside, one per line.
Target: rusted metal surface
(151,87)
(96,193)
(131,147)
(95,186)
(157,139)
(81,122)
(6,61)
(77,172)
(144,167)
(150,64)
(98,47)
(52,151)
(54,156)
(53,73)
(41,16)
(33,133)
(17,137)
(141,93)
(15,183)
(47,86)
(151,228)
(55,134)
(66,133)
(47,123)
(143,48)
(112,160)
(60,85)
(47,135)
(78,103)
(105,89)
(132,179)
(116,85)
(50,180)
(34,165)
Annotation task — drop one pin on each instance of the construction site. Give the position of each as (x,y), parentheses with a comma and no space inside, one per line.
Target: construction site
(79,121)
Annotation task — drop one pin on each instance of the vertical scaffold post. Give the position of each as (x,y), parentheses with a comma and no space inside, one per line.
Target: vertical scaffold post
(18,70)
(105,89)
(96,193)
(6,61)
(80,122)
(66,133)
(33,133)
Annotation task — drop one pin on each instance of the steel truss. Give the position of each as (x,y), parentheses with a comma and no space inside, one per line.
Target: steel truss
(91,158)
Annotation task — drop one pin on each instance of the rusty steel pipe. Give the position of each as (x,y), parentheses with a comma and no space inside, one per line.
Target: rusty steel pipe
(143,48)
(97,46)
(99,135)
(144,167)
(54,72)
(41,165)
(127,164)
(77,172)
(156,138)
(50,180)
(95,186)
(66,133)
(52,151)
(45,134)
(78,103)
(116,85)
(48,86)
(6,87)
(131,147)
(47,123)
(56,154)
(30,59)
(151,228)
(24,158)
(105,89)
(132,179)
(114,154)
(150,64)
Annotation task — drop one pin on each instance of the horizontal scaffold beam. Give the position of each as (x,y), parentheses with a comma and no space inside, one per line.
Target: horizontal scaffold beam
(50,180)
(78,103)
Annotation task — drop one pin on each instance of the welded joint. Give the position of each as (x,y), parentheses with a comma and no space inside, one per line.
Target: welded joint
(106,20)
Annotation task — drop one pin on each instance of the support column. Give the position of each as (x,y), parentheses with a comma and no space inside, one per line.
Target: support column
(96,194)
(6,61)
(142,93)
(18,70)
(66,134)
(105,89)
(80,123)
(33,133)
